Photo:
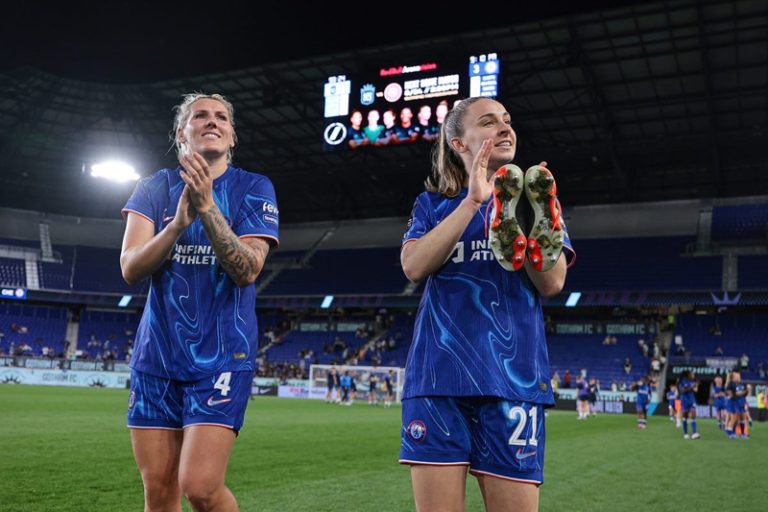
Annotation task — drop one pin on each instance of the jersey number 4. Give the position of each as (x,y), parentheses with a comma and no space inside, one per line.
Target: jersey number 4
(222,383)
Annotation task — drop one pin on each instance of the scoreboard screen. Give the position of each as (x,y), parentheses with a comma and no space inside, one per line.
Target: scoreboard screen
(403,103)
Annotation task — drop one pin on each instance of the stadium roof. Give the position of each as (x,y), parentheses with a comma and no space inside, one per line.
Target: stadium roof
(641,102)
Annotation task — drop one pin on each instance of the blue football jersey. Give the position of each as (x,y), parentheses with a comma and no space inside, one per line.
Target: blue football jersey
(643,393)
(197,321)
(720,396)
(686,389)
(737,390)
(479,329)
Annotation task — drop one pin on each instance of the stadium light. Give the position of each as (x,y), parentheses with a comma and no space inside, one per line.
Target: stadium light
(114,171)
(573,299)
(327,300)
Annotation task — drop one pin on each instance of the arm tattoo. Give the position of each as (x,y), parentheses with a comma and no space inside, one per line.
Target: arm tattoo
(236,258)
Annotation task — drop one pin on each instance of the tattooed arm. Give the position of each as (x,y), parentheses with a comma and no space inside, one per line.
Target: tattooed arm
(242,259)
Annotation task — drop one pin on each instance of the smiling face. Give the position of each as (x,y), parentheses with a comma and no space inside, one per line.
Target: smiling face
(389,118)
(406,114)
(425,112)
(441,111)
(356,119)
(486,119)
(208,130)
(373,117)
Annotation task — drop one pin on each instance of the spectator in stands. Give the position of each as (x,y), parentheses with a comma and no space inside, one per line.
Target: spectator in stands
(655,367)
(471,309)
(567,379)
(744,362)
(718,351)
(627,365)
(614,385)
(679,347)
(644,349)
(202,233)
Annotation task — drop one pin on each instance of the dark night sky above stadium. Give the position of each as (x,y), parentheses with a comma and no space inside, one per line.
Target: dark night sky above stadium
(142,41)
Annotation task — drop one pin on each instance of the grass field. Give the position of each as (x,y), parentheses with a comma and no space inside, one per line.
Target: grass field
(67,449)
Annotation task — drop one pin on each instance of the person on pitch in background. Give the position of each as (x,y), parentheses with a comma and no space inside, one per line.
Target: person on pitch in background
(477,373)
(202,233)
(389,388)
(737,392)
(672,399)
(720,402)
(582,397)
(643,389)
(688,386)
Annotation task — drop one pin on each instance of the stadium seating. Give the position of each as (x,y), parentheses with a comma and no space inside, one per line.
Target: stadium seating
(12,272)
(603,362)
(735,334)
(36,326)
(101,326)
(741,222)
(641,264)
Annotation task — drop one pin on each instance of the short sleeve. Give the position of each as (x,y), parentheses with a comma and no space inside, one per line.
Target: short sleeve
(420,222)
(259,215)
(140,201)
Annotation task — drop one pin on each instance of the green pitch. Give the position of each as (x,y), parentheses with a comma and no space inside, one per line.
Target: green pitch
(67,449)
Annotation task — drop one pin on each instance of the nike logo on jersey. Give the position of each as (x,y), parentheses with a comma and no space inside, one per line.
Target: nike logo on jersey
(212,402)
(168,217)
(520,455)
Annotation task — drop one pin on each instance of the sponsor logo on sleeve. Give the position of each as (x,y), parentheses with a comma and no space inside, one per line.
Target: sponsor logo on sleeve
(270,213)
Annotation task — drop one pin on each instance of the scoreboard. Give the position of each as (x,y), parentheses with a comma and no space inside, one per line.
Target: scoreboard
(402,103)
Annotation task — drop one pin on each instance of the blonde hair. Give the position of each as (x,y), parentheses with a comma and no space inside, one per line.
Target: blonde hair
(448,172)
(184,110)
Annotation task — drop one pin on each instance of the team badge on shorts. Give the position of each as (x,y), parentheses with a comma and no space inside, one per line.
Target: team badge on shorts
(131,399)
(417,431)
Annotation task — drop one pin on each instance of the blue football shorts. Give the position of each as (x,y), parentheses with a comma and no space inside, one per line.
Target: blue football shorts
(220,399)
(493,436)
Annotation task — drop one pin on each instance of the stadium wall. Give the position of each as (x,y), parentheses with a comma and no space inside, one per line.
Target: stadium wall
(664,218)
